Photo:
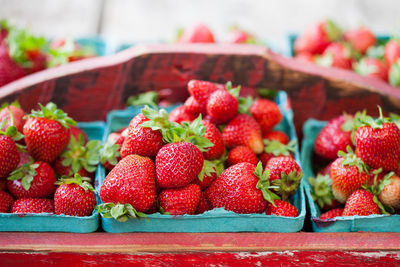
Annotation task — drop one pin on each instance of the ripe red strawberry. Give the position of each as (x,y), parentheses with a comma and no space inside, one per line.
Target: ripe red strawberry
(241,188)
(336,55)
(142,140)
(321,192)
(389,189)
(32,180)
(222,106)
(317,37)
(47,132)
(197,33)
(241,154)
(17,114)
(243,130)
(33,205)
(6,201)
(372,67)
(330,214)
(278,136)
(360,203)
(9,155)
(180,201)
(392,51)
(378,143)
(201,91)
(193,107)
(274,148)
(3,184)
(181,114)
(238,36)
(204,205)
(281,208)
(348,174)
(10,71)
(110,154)
(215,137)
(285,173)
(130,183)
(178,164)
(360,39)
(74,197)
(305,57)
(334,137)
(267,114)
(77,132)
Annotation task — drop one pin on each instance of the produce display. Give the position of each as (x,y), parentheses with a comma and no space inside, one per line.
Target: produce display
(358,49)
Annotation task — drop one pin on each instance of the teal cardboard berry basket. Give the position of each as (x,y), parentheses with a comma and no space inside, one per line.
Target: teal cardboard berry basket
(45,222)
(217,220)
(372,223)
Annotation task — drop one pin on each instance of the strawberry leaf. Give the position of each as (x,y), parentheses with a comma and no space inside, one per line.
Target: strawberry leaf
(277,148)
(208,168)
(110,152)
(350,159)
(288,183)
(148,98)
(120,212)
(25,173)
(267,93)
(78,180)
(321,189)
(264,185)
(394,74)
(364,69)
(332,30)
(377,52)
(51,112)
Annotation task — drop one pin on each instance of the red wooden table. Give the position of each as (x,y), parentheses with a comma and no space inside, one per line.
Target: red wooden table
(205,249)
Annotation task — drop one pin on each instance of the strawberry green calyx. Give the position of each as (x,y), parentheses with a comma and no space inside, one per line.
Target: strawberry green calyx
(110,152)
(332,30)
(264,185)
(321,189)
(148,98)
(348,124)
(394,74)
(377,187)
(6,105)
(277,148)
(120,212)
(365,120)
(77,155)
(78,180)
(4,25)
(267,93)
(350,159)
(288,184)
(244,103)
(325,60)
(25,173)
(194,133)
(377,52)
(209,167)
(396,119)
(11,131)
(364,69)
(51,112)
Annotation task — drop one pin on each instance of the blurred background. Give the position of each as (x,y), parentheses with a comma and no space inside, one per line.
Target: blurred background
(136,21)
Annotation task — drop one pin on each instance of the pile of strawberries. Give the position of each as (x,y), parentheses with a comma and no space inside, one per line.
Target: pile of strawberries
(46,163)
(202,155)
(356,49)
(364,171)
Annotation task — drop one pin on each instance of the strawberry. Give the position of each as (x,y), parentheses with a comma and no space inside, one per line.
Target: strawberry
(321,192)
(242,188)
(4,28)
(330,214)
(32,180)
(334,137)
(392,51)
(394,74)
(305,57)
(336,55)
(47,132)
(9,155)
(372,67)
(238,36)
(33,205)
(389,191)
(77,132)
(241,154)
(6,201)
(129,189)
(243,130)
(360,39)
(74,197)
(24,158)
(180,114)
(378,142)
(267,114)
(285,173)
(140,139)
(277,135)
(204,205)
(222,106)
(348,173)
(14,115)
(274,148)
(10,70)
(3,184)
(180,201)
(67,50)
(197,33)
(110,154)
(281,208)
(193,107)
(361,203)
(317,37)
(215,137)
(201,91)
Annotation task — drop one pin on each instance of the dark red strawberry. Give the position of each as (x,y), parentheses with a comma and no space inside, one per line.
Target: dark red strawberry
(180,201)
(74,197)
(32,180)
(130,187)
(17,118)
(77,132)
(321,192)
(198,33)
(281,208)
(222,106)
(3,184)
(378,143)
(204,205)
(193,107)
(47,132)
(392,51)
(9,155)
(278,136)
(181,114)
(372,67)
(336,55)
(201,91)
(243,130)
(6,201)
(33,205)
(10,71)
(330,214)
(361,203)
(317,37)
(110,154)
(241,154)
(360,39)
(334,137)
(267,114)
(215,137)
